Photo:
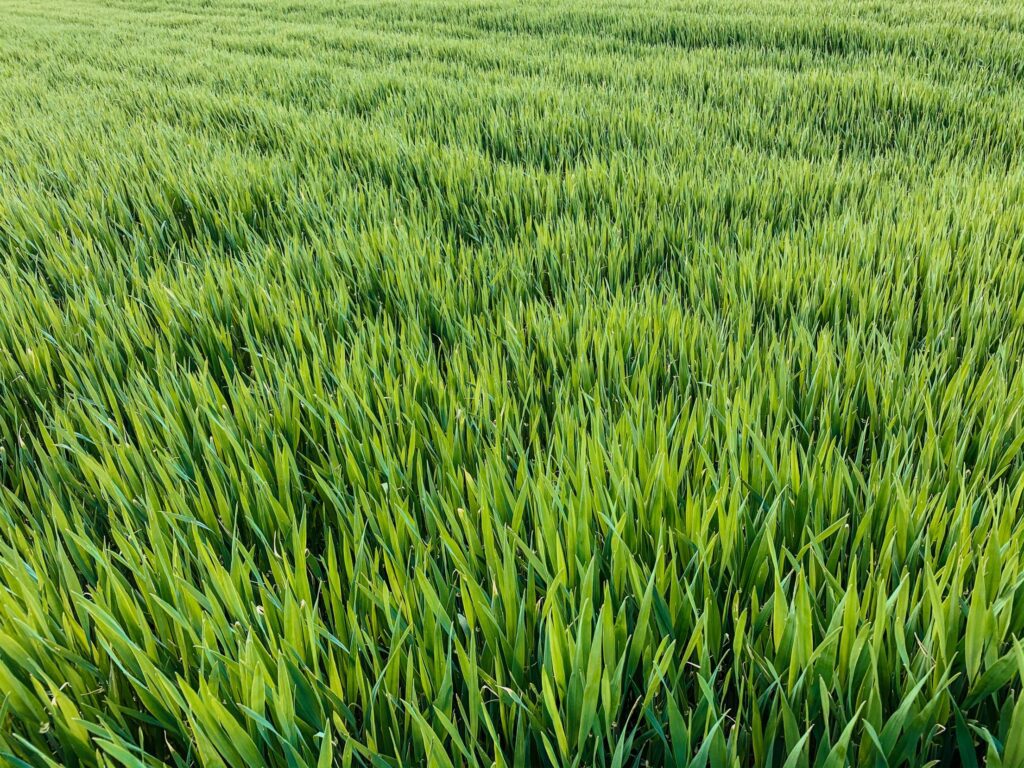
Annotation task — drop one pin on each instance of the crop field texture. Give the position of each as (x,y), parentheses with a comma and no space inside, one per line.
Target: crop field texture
(572,383)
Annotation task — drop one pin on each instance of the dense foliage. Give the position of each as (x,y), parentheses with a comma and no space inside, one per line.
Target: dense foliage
(572,383)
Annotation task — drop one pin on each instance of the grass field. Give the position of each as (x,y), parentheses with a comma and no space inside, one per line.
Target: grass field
(572,383)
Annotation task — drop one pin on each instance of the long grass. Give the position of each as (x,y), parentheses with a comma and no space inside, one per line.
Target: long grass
(576,383)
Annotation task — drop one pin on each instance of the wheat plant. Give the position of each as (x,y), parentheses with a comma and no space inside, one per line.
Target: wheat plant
(489,383)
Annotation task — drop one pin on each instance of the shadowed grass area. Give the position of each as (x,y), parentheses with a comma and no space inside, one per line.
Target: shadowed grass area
(511,384)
